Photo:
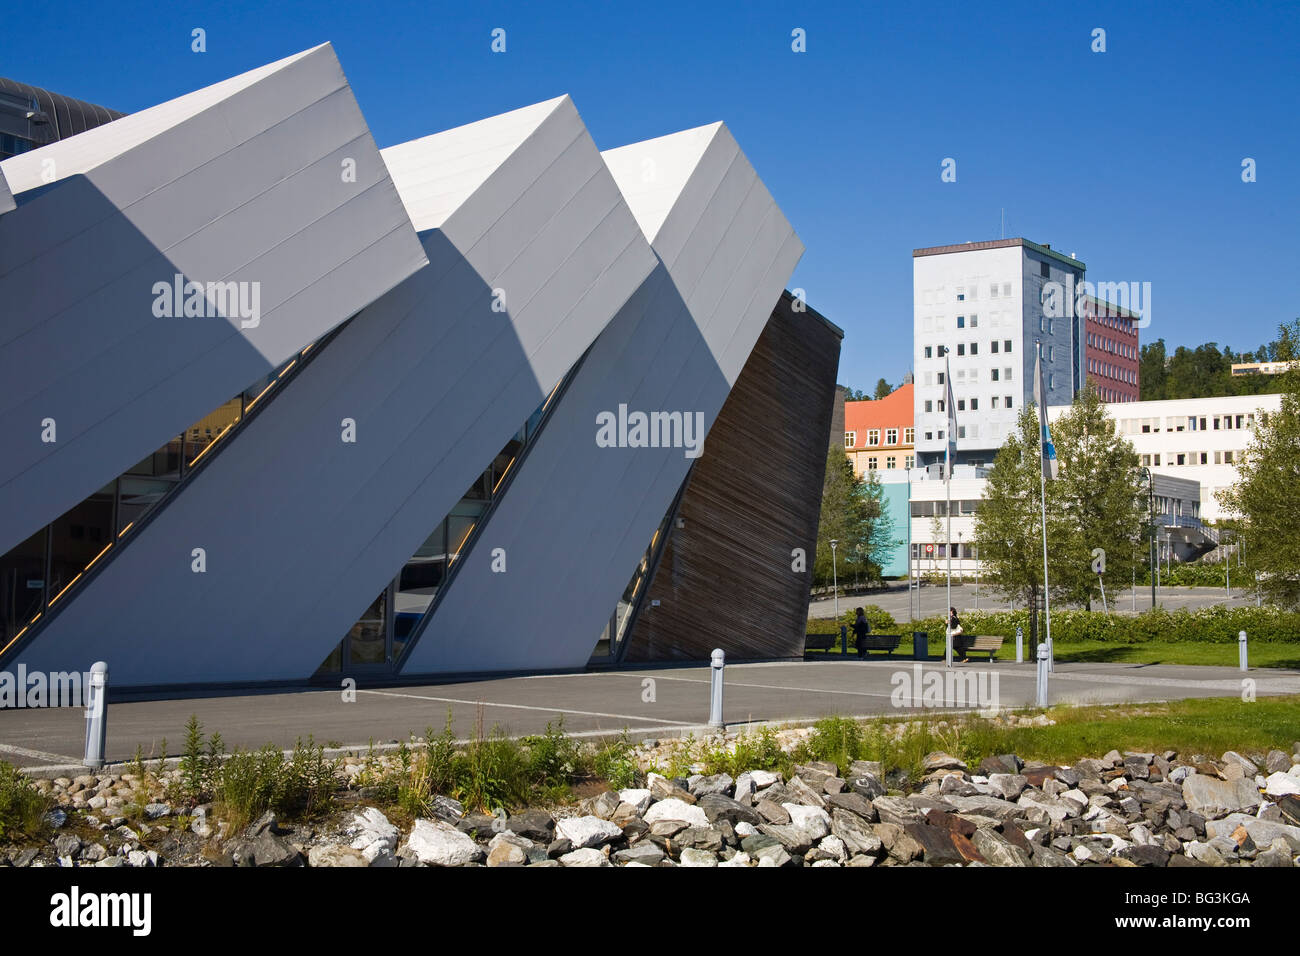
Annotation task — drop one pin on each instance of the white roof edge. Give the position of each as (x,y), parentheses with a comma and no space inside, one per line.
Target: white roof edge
(83,152)
(651,174)
(437,173)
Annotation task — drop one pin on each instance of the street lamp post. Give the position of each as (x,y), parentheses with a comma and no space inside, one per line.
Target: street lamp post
(961,576)
(1227,579)
(1150,478)
(1013,597)
(835,580)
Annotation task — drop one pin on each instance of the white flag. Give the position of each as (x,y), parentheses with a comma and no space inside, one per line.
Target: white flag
(950,450)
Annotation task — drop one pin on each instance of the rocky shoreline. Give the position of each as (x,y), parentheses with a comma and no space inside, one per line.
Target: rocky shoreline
(1122,809)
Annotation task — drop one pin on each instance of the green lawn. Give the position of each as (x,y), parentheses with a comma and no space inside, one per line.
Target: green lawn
(1207,726)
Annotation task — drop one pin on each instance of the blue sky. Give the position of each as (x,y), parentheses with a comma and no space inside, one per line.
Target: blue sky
(1130,158)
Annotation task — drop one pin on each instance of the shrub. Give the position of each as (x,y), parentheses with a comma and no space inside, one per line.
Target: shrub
(492,771)
(553,758)
(1216,625)
(252,782)
(881,621)
(22,806)
(615,763)
(834,739)
(199,765)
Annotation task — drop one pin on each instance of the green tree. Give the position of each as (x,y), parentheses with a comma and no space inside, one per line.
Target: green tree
(1098,501)
(852,514)
(1266,496)
(1152,373)
(938,526)
(883,389)
(1008,524)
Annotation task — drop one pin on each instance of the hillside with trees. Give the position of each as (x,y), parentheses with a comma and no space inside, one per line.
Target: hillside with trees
(1206,370)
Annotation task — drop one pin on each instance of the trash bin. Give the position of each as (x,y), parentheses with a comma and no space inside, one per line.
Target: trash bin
(920,646)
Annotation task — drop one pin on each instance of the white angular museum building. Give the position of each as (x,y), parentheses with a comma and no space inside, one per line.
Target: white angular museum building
(278,404)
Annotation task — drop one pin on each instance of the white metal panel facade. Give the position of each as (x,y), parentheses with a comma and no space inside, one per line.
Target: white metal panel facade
(241,183)
(577,517)
(301,529)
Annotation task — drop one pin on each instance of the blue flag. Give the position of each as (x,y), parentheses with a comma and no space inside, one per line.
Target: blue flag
(1044,433)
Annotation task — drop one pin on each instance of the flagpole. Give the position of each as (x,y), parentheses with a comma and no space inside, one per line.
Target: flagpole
(1042,484)
(947,488)
(950,439)
(1047,601)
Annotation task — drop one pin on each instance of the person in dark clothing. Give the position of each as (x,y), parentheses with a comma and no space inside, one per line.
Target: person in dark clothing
(860,631)
(959,644)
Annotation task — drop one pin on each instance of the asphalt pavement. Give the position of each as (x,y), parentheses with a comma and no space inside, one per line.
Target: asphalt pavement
(655,702)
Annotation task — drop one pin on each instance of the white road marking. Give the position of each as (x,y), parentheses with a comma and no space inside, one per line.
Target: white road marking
(550,710)
(35,754)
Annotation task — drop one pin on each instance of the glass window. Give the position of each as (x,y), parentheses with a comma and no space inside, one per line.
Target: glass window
(891,436)
(850,439)
(366,638)
(22,585)
(873,436)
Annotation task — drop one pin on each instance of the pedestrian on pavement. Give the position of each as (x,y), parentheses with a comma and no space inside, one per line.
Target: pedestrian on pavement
(860,631)
(955,632)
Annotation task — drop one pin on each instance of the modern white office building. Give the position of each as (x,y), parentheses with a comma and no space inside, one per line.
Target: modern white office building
(983,301)
(1200,439)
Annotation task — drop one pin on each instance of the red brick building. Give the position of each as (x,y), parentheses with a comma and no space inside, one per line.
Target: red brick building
(1111,350)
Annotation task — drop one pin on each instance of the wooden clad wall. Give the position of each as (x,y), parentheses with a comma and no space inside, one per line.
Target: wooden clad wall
(725,578)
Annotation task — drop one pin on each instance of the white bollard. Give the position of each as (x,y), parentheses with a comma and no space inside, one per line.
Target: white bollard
(717,660)
(1241,649)
(1020,645)
(96,715)
(1042,674)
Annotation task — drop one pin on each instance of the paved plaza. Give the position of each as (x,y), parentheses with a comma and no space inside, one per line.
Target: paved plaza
(654,702)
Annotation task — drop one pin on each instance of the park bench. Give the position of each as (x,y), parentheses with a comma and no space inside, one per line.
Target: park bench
(986,643)
(820,642)
(879,642)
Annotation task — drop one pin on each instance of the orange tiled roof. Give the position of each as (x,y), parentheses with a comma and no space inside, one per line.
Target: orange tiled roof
(895,410)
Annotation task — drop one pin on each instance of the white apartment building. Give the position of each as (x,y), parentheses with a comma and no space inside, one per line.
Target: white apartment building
(1201,439)
(983,301)
(1175,502)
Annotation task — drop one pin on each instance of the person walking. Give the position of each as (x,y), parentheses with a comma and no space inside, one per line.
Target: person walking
(860,631)
(955,632)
